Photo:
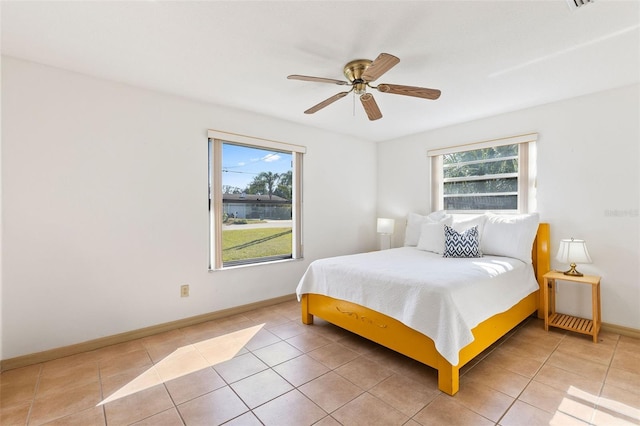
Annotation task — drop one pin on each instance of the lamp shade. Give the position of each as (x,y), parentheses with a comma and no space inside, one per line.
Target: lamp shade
(573,251)
(385,226)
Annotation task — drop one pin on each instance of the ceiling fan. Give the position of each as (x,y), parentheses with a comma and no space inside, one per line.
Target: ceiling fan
(360,73)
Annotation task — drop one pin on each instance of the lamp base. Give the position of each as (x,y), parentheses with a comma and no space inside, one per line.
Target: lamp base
(573,272)
(385,241)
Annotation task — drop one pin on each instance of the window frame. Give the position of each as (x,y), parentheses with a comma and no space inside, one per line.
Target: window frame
(526,193)
(216,139)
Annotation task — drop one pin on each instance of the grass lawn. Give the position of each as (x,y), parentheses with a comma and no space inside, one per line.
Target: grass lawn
(240,244)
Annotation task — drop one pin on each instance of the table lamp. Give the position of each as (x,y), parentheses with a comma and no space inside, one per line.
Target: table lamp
(573,251)
(385,227)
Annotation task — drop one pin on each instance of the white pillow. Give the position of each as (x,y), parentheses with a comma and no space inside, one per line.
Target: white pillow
(437,216)
(510,235)
(463,222)
(414,223)
(432,236)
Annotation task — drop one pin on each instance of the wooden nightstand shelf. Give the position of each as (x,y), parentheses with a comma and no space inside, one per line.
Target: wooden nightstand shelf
(568,322)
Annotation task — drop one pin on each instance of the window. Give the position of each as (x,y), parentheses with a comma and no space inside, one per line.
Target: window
(496,175)
(254,200)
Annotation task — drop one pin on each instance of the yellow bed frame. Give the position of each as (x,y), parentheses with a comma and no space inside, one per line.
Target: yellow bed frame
(394,335)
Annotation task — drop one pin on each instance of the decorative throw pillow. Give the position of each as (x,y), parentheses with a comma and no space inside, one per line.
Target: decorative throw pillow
(461,244)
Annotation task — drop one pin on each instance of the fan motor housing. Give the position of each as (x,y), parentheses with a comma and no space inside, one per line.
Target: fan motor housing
(354,69)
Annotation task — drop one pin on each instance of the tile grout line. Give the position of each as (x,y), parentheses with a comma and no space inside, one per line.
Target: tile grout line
(330,370)
(102,407)
(532,379)
(595,404)
(604,381)
(175,406)
(35,392)
(269,367)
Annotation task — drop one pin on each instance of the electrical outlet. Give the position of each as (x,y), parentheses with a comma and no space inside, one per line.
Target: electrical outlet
(184,290)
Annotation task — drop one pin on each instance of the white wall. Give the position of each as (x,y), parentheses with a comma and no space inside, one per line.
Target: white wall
(104,195)
(1,251)
(588,186)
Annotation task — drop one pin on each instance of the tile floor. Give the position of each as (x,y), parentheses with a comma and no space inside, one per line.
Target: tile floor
(265,368)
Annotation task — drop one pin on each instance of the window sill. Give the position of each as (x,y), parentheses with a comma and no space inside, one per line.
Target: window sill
(250,265)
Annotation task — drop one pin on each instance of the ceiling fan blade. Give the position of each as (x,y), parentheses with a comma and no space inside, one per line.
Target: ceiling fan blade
(326,102)
(383,63)
(418,92)
(317,79)
(370,106)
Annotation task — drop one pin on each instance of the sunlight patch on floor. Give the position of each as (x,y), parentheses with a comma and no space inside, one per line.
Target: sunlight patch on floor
(188,359)
(593,410)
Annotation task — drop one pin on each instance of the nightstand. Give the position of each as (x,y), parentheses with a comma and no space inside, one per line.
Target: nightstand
(569,322)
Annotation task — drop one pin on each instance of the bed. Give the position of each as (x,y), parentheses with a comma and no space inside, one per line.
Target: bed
(341,291)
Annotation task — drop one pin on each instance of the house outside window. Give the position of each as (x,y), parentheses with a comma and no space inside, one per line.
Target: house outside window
(254,200)
(256,206)
(496,175)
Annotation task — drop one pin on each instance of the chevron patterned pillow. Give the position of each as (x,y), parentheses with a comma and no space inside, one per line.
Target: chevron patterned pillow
(461,244)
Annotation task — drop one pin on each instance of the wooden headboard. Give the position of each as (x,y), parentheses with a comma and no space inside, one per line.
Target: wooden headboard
(541,257)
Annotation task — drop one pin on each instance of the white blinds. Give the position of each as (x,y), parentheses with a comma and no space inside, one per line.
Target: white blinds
(250,140)
(529,137)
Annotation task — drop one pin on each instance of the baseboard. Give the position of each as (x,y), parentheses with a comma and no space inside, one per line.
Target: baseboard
(623,331)
(91,345)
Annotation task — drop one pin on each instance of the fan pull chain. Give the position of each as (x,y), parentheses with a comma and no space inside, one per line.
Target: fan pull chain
(354,104)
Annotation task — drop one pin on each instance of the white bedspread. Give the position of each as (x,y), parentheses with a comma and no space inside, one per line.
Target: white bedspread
(443,298)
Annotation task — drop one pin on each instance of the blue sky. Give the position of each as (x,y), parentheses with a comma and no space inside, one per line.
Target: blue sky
(240,164)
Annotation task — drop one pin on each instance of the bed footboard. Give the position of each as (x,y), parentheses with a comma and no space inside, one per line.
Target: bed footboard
(394,335)
(383,330)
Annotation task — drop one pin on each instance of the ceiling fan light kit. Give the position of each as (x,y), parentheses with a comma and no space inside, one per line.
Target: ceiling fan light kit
(360,73)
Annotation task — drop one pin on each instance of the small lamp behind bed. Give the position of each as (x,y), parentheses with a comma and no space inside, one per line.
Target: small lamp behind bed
(573,251)
(385,228)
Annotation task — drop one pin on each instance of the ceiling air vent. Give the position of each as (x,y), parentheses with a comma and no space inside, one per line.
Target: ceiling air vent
(574,4)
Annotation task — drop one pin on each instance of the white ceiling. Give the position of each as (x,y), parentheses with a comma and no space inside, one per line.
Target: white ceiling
(487,57)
